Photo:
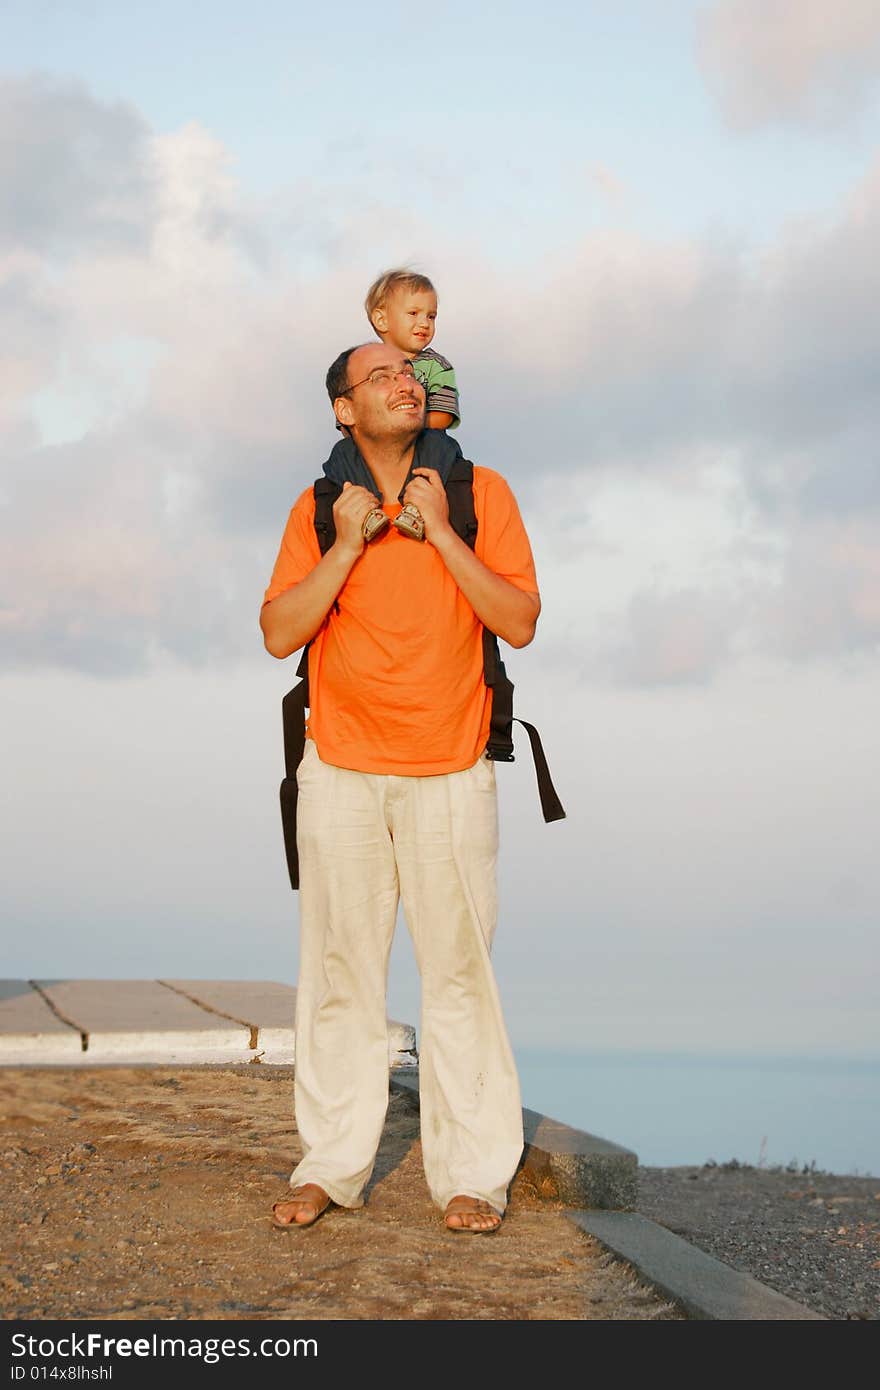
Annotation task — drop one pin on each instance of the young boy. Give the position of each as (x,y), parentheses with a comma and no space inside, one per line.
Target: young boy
(402,309)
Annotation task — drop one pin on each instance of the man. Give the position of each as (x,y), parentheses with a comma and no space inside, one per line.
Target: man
(397,800)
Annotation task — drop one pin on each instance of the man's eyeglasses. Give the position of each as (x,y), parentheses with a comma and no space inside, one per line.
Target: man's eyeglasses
(383,376)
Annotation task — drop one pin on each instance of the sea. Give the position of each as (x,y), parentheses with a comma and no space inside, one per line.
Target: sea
(676,1109)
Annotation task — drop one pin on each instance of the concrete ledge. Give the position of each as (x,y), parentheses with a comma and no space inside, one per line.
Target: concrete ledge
(80,1022)
(568,1164)
(267,1008)
(705,1288)
(264,1007)
(143,1021)
(30,1031)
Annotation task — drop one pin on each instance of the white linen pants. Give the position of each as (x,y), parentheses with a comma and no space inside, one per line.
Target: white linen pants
(365,840)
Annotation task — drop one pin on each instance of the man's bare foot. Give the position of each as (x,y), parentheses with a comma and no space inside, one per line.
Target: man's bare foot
(472,1214)
(302,1208)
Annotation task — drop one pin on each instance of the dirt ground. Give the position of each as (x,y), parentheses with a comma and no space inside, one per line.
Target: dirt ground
(145,1192)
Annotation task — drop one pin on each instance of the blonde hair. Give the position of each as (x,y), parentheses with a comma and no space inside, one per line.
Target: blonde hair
(389,283)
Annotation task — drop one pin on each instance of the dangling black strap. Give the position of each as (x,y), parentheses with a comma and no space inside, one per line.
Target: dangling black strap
(500,743)
(499,746)
(293,721)
(550,803)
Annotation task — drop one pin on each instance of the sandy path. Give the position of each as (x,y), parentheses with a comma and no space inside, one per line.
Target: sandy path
(146,1193)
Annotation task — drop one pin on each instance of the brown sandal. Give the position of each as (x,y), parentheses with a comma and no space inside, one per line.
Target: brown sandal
(299,1194)
(468,1206)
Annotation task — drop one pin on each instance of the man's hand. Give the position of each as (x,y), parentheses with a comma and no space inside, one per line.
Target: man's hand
(350,509)
(426,491)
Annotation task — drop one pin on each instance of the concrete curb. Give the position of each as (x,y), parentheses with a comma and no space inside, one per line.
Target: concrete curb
(578,1168)
(704,1287)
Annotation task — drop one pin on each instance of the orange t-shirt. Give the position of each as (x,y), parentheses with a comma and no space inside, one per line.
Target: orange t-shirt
(396,674)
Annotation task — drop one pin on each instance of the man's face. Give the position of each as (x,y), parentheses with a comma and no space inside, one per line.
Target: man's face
(406,320)
(385,399)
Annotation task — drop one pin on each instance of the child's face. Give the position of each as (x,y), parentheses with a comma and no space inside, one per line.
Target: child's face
(406,320)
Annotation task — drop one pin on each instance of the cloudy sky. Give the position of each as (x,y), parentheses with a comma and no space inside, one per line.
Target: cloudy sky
(654,231)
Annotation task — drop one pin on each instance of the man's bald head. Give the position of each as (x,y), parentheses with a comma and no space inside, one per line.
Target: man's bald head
(374,389)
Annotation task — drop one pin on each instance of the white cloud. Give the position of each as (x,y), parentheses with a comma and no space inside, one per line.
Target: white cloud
(815,61)
(672,639)
(829,598)
(74,172)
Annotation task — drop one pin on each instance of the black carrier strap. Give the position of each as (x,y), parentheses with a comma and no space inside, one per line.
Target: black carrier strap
(499,747)
(293,719)
(296,701)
